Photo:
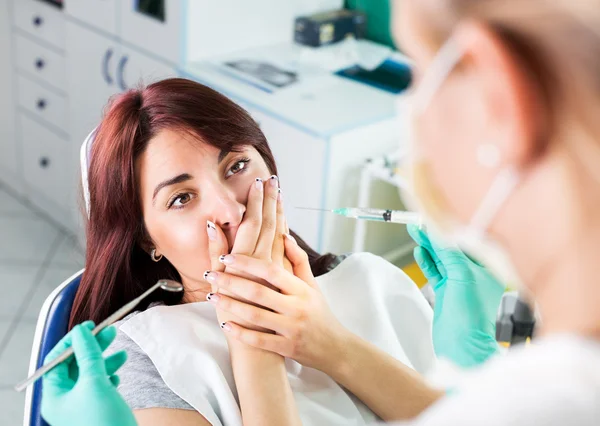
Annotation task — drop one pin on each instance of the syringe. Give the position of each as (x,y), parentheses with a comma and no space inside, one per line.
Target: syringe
(378,215)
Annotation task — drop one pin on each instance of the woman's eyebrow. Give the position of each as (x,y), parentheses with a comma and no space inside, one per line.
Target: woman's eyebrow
(175,180)
(223,154)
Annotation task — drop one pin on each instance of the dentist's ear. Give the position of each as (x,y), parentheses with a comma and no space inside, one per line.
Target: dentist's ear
(512,97)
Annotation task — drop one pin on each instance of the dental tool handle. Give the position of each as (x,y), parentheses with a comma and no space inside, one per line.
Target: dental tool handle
(120,313)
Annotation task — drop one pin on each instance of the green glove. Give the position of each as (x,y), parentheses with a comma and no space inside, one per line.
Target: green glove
(467,298)
(82,390)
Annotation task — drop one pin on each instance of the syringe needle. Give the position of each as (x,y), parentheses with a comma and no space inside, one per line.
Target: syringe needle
(312,208)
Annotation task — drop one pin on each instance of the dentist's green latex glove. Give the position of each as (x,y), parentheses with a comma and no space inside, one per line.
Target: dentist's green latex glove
(83,389)
(467,298)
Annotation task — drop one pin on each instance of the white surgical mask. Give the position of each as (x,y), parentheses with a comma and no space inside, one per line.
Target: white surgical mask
(424,196)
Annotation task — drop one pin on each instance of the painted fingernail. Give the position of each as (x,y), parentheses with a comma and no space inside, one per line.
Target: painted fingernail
(279,195)
(258,184)
(274,181)
(212,298)
(227,259)
(211,230)
(211,277)
(225,326)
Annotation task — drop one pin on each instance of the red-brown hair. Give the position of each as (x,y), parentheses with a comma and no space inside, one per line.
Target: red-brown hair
(117,268)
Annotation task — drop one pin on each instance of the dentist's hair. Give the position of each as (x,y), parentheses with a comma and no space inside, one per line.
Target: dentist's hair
(117,268)
(559,42)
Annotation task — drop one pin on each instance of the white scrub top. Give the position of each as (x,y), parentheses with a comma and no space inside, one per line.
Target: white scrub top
(554,382)
(370,297)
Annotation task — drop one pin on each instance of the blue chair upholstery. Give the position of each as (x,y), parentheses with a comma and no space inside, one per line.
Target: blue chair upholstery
(51,327)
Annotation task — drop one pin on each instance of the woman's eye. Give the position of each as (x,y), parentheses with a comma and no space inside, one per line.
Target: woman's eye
(237,167)
(180,200)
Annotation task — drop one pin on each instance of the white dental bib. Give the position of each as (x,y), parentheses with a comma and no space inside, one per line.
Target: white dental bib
(369,296)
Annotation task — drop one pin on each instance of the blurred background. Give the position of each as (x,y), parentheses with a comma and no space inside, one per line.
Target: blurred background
(321,77)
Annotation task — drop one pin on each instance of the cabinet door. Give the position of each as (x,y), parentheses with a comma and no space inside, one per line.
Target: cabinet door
(134,68)
(91,75)
(101,14)
(91,80)
(300,162)
(8,146)
(153,26)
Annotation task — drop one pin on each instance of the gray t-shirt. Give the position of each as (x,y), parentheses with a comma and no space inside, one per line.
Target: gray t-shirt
(141,384)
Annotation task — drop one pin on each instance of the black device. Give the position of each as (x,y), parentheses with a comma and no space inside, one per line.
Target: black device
(391,76)
(329,27)
(151,8)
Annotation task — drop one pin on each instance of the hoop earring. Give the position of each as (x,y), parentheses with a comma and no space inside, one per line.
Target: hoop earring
(153,256)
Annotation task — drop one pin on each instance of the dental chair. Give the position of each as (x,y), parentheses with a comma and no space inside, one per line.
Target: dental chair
(51,327)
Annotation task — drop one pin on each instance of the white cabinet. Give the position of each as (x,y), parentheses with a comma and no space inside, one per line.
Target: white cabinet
(100,14)
(9,164)
(92,61)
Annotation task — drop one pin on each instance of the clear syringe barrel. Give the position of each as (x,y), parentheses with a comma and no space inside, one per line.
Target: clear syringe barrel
(381,215)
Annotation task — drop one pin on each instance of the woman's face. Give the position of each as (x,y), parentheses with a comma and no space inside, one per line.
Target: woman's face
(185,182)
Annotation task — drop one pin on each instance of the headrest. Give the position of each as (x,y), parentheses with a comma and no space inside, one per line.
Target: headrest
(85,157)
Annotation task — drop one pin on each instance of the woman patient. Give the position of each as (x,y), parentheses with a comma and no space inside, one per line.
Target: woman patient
(183,185)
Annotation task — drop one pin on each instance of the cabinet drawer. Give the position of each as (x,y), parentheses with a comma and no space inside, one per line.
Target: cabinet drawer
(47,105)
(41,62)
(41,20)
(45,161)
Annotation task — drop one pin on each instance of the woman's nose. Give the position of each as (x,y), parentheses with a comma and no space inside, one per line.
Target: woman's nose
(227,211)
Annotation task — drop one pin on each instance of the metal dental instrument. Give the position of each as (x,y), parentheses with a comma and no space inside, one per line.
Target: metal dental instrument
(378,215)
(168,285)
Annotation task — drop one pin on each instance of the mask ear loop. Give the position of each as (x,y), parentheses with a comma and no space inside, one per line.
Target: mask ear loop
(444,62)
(502,187)
(85,156)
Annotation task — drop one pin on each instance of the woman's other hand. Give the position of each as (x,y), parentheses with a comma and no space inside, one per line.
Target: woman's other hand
(467,298)
(293,307)
(83,389)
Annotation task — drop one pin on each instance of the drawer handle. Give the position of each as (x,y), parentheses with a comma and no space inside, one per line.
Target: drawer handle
(44,162)
(121,71)
(37,21)
(41,103)
(105,62)
(39,63)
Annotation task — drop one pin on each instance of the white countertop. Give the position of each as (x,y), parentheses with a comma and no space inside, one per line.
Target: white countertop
(319,102)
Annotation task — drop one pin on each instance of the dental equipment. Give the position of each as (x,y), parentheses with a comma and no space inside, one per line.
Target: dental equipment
(168,285)
(378,215)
